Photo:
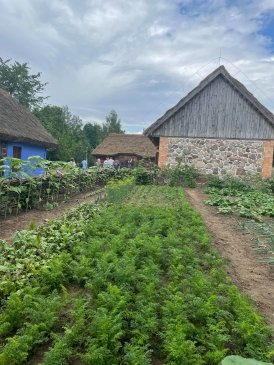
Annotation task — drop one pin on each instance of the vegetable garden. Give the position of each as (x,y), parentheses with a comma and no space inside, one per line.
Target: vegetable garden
(21,191)
(253,204)
(133,282)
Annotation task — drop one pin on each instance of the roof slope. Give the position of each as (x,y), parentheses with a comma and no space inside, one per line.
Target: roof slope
(237,85)
(18,124)
(131,144)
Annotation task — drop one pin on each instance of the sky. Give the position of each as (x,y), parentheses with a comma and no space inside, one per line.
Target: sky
(138,57)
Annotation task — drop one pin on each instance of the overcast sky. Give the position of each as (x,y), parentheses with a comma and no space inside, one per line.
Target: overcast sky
(138,57)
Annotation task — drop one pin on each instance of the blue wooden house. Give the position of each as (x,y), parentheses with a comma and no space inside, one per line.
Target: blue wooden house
(21,133)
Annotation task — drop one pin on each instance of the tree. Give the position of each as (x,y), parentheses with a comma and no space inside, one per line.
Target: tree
(67,129)
(17,81)
(95,132)
(112,124)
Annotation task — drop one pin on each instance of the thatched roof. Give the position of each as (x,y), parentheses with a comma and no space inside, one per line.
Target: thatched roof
(128,144)
(237,85)
(17,124)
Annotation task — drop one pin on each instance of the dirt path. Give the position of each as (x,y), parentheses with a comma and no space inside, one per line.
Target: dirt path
(245,269)
(15,223)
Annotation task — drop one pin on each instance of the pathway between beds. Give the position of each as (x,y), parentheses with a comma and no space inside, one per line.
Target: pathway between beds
(16,223)
(245,268)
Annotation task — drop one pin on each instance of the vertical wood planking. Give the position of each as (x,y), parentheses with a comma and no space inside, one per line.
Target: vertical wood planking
(218,111)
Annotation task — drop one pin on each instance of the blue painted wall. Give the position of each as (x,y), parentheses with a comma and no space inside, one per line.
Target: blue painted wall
(28,150)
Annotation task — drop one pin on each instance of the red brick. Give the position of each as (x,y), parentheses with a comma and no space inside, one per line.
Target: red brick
(163,151)
(268,159)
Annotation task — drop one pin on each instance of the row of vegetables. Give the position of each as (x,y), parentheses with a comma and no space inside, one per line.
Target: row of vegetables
(124,284)
(252,204)
(23,191)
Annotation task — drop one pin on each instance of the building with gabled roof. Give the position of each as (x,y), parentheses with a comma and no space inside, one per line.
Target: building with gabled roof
(219,127)
(124,147)
(21,133)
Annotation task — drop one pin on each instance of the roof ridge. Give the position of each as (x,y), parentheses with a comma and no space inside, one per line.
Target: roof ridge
(221,70)
(112,145)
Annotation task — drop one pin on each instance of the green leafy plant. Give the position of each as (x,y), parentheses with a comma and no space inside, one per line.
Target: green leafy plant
(239,360)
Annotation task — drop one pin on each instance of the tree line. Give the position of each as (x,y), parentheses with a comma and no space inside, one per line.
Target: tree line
(75,139)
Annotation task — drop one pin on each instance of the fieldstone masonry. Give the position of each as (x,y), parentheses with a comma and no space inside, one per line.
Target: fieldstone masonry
(217,156)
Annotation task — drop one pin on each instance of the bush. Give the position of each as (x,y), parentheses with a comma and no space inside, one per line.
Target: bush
(144,176)
(183,175)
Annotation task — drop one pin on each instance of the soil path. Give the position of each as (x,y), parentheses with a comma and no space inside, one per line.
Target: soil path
(15,223)
(245,269)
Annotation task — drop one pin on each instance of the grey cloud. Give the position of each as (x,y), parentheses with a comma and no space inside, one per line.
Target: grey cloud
(138,58)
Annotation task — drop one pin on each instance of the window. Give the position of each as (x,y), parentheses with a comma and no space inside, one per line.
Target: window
(3,150)
(17,152)
(3,154)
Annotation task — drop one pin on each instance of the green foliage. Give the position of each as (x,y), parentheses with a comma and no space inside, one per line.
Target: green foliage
(230,183)
(239,360)
(119,189)
(180,175)
(124,284)
(65,345)
(144,176)
(95,132)
(183,175)
(112,124)
(19,264)
(136,355)
(33,318)
(22,191)
(234,195)
(269,183)
(16,79)
(262,237)
(68,131)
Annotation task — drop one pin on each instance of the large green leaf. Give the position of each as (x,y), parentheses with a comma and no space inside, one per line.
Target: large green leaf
(239,360)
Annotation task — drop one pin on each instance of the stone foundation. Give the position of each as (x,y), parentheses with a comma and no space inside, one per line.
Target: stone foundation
(216,156)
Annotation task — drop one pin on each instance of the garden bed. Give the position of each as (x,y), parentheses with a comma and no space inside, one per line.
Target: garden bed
(147,287)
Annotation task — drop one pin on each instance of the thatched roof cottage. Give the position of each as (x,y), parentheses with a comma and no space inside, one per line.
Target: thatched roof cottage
(124,147)
(21,133)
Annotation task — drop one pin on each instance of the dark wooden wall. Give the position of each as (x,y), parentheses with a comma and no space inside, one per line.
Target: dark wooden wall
(218,111)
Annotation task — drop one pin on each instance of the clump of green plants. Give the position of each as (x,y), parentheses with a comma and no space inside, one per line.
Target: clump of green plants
(118,189)
(239,360)
(229,183)
(144,175)
(269,183)
(20,190)
(251,200)
(183,174)
(241,197)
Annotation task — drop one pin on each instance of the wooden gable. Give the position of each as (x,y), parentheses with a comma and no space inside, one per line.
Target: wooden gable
(220,107)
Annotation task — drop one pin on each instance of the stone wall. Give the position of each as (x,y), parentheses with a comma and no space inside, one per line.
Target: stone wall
(216,156)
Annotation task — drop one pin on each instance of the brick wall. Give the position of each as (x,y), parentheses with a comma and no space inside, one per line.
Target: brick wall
(163,151)
(268,158)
